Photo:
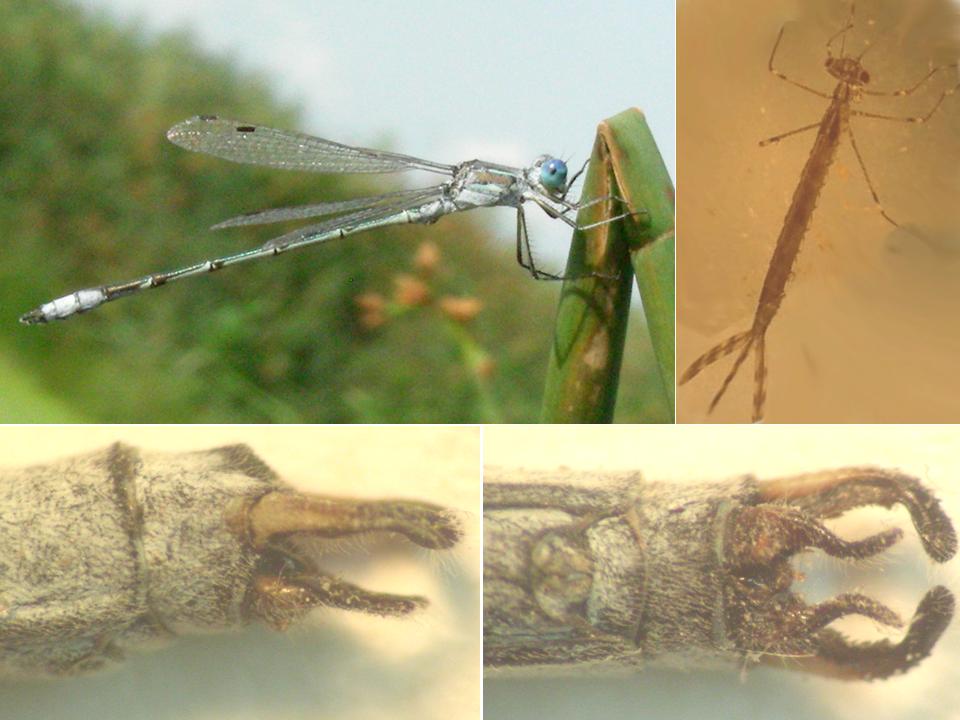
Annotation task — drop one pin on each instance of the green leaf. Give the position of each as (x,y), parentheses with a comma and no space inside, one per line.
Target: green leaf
(587,349)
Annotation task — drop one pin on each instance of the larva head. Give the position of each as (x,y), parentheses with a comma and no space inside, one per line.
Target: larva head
(848,70)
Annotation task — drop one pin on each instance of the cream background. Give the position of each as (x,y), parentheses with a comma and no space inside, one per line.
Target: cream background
(685,453)
(337,665)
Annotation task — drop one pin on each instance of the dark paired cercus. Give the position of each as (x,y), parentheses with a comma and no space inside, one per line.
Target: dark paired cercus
(789,519)
(612,570)
(290,581)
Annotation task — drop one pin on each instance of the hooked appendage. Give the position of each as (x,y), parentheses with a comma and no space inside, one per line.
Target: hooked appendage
(288,581)
(770,623)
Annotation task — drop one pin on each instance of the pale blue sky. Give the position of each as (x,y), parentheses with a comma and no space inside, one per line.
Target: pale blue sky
(503,81)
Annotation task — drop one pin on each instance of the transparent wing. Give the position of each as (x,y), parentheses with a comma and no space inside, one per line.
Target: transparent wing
(300,212)
(258,145)
(354,220)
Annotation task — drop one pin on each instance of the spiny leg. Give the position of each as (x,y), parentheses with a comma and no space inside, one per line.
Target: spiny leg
(607,221)
(576,175)
(523,243)
(525,254)
(577,206)
(571,207)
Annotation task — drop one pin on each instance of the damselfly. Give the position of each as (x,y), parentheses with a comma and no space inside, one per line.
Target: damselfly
(471,184)
(852,80)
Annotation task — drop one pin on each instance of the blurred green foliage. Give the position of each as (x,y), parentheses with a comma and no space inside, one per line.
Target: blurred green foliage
(93,192)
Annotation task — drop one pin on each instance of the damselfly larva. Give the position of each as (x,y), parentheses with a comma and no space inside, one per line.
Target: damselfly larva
(852,79)
(628,573)
(121,547)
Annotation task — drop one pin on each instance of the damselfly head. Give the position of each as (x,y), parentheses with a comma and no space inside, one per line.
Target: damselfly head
(848,70)
(553,174)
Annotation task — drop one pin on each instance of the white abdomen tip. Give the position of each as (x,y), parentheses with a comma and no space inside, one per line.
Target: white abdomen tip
(64,307)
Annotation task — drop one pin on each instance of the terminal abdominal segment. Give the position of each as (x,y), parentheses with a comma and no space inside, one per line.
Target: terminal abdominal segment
(629,573)
(120,548)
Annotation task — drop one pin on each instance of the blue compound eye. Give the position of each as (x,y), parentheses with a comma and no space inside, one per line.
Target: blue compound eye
(553,174)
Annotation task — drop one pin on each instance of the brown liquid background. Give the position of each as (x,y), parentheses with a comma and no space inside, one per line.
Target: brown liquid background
(869,330)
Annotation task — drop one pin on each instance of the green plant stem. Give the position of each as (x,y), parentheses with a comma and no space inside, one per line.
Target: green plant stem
(585,359)
(642,178)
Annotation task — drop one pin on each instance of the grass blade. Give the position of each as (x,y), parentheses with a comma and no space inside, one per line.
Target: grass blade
(585,359)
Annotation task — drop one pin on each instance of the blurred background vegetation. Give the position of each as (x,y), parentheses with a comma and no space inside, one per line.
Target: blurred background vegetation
(375,328)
